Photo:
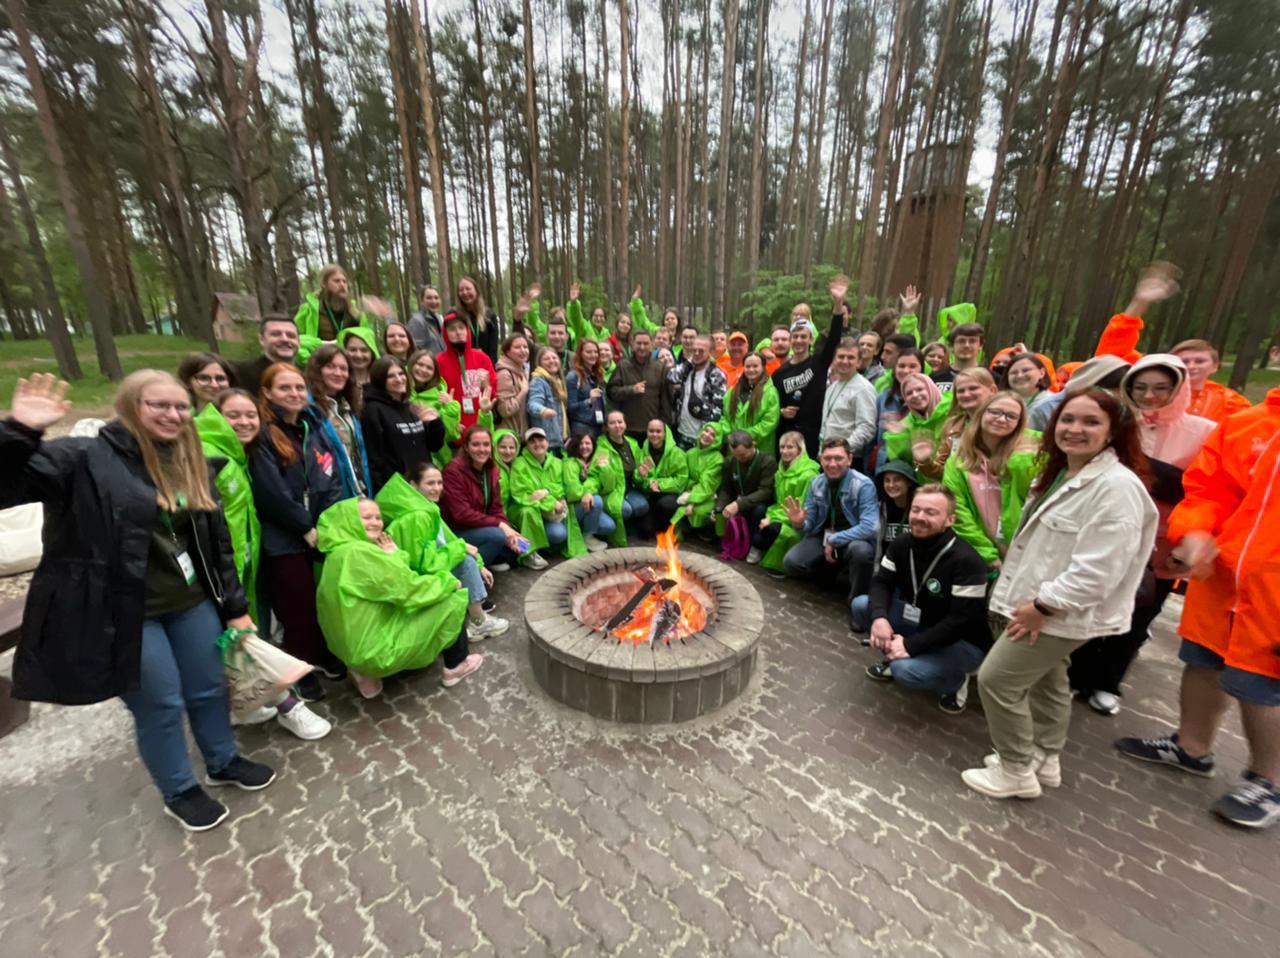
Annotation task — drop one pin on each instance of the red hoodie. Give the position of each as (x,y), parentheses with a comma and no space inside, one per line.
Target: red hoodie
(463,503)
(479,378)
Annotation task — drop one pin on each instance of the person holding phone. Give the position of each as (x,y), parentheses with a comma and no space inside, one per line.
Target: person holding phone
(472,502)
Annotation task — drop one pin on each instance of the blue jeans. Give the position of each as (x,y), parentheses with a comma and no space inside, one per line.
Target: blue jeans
(491,543)
(468,573)
(634,505)
(181,670)
(942,672)
(557,532)
(596,522)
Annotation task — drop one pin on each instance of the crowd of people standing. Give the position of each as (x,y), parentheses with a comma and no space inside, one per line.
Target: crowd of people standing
(355,489)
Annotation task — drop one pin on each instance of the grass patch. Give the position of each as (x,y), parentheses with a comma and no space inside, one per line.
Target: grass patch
(148,351)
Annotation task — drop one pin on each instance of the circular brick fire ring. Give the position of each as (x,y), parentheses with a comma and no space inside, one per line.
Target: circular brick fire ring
(580,666)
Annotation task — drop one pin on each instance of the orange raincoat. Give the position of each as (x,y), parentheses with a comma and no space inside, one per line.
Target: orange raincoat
(1233,492)
(1215,401)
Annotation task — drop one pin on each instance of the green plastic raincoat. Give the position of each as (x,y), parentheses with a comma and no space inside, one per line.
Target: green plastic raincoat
(790,480)
(414,522)
(1016,482)
(763,426)
(527,477)
(450,411)
(957,314)
(220,442)
(916,429)
(671,472)
(365,333)
(640,318)
(504,471)
(581,326)
(307,319)
(605,481)
(618,484)
(378,615)
(705,467)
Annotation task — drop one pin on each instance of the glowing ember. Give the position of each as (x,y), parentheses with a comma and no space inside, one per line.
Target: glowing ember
(665,611)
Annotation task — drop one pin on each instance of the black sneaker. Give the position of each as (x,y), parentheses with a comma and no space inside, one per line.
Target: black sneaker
(1166,751)
(488,605)
(1253,803)
(309,688)
(880,672)
(242,773)
(954,703)
(195,810)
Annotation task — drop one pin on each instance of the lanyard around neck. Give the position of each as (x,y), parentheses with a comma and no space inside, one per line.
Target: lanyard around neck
(915,584)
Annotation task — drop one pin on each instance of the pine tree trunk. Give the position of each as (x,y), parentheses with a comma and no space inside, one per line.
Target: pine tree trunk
(486,119)
(44,289)
(758,139)
(888,108)
(787,224)
(435,161)
(1260,186)
(407,128)
(723,147)
(624,170)
(322,105)
(809,200)
(90,287)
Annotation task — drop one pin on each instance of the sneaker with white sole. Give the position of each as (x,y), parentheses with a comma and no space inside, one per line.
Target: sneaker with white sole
(256,717)
(534,561)
(1048,768)
(366,685)
(880,672)
(954,702)
(499,567)
(1165,750)
(594,544)
(753,556)
(195,810)
(1104,703)
(1003,781)
(1253,803)
(304,723)
(244,774)
(488,627)
(464,668)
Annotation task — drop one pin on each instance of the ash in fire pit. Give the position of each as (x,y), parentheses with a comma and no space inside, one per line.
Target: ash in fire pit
(637,636)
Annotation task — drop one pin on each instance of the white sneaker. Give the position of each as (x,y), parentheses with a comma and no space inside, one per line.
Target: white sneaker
(534,561)
(594,544)
(304,723)
(488,627)
(753,557)
(256,717)
(500,567)
(1003,781)
(1104,703)
(452,677)
(1048,768)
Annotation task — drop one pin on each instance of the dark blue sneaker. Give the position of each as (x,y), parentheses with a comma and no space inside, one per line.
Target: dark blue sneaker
(1166,751)
(880,672)
(1253,803)
(244,774)
(195,810)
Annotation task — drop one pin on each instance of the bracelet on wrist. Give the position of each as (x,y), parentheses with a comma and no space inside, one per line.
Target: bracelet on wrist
(1042,608)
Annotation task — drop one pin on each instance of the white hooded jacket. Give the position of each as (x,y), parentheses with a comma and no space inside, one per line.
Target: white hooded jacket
(1169,434)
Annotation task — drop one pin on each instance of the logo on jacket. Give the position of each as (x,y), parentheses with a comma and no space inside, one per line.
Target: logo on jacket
(325,461)
(934,586)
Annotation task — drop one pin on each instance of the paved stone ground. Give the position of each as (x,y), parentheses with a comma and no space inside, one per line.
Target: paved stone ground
(819,814)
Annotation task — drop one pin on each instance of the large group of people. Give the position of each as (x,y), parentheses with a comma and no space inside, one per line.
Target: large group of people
(355,490)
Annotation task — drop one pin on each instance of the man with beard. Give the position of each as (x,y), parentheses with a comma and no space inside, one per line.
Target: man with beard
(927,607)
(278,337)
(329,310)
(639,387)
(426,326)
(698,389)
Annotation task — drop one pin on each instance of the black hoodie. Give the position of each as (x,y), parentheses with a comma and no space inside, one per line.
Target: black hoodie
(395,439)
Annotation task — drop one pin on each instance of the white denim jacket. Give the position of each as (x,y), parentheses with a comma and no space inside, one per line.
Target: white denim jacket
(1082,552)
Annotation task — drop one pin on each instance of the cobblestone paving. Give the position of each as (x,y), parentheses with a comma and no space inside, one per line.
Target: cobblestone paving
(820,814)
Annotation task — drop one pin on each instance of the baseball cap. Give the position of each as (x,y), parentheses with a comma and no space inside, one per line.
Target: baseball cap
(534,431)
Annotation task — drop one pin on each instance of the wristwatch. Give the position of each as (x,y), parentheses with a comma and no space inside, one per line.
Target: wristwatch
(1042,608)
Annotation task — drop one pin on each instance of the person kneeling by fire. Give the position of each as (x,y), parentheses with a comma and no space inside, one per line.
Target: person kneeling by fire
(378,615)
(927,605)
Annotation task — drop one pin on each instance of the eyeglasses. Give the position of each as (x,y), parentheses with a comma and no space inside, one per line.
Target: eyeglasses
(181,408)
(1002,414)
(204,379)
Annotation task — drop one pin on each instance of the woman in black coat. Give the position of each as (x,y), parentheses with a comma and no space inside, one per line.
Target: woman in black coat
(137,580)
(397,436)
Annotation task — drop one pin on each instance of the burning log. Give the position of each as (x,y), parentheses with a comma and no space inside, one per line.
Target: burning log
(628,611)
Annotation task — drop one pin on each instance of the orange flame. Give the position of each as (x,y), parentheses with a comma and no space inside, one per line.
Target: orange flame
(693,617)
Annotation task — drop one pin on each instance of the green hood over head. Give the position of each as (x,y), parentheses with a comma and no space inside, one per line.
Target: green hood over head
(364,332)
(340,525)
(957,314)
(217,437)
(399,498)
(497,437)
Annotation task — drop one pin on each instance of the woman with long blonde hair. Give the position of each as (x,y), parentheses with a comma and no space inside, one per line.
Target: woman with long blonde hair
(137,580)
(483,324)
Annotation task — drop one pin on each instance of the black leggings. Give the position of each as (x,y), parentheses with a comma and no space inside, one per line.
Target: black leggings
(662,506)
(1100,664)
(763,539)
(457,653)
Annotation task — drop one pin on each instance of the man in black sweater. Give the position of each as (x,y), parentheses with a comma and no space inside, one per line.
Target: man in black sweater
(927,607)
(801,381)
(278,337)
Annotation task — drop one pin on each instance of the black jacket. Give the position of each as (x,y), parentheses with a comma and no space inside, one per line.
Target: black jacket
(82,627)
(289,498)
(952,598)
(395,439)
(749,486)
(804,384)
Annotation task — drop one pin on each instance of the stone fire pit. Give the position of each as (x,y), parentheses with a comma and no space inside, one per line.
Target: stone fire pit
(579,664)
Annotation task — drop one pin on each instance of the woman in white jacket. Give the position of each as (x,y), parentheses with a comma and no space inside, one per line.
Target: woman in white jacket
(1156,390)
(1070,574)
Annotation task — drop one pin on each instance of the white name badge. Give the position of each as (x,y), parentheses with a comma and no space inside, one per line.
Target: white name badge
(188,569)
(911,614)
(468,405)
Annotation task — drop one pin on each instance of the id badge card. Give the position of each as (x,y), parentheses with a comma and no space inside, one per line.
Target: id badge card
(188,569)
(826,538)
(599,417)
(911,614)
(468,405)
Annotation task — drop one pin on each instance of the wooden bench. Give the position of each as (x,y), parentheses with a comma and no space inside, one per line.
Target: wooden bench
(13,713)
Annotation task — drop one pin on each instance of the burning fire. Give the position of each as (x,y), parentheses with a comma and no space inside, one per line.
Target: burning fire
(665,612)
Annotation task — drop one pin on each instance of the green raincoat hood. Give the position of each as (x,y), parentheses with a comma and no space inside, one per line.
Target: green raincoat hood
(217,437)
(398,498)
(958,314)
(340,525)
(497,437)
(364,332)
